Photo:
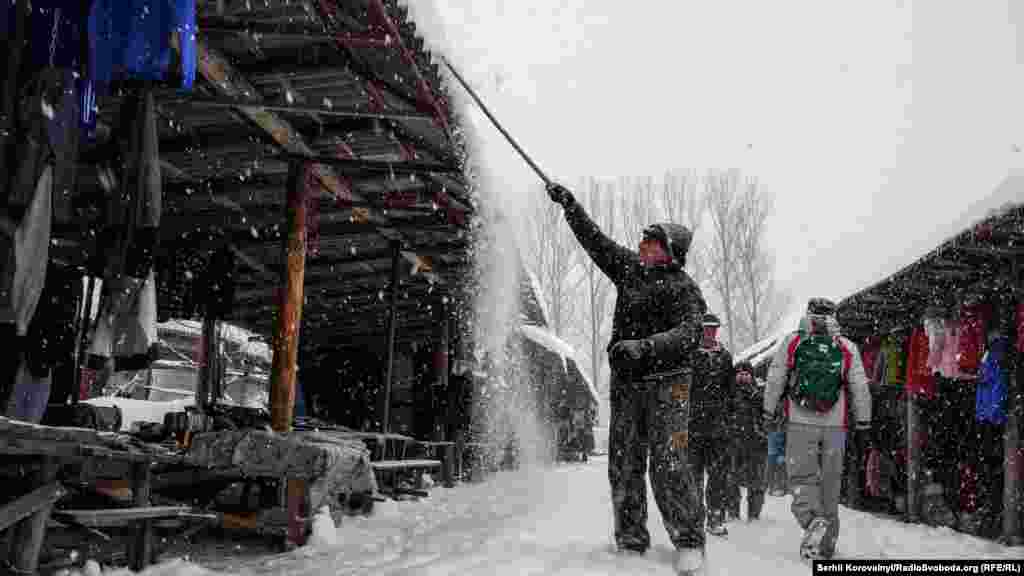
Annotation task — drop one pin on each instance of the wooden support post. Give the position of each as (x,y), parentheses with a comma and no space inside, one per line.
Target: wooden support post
(392,328)
(441,366)
(1011,437)
(913,460)
(141,553)
(27,540)
(298,511)
(286,338)
(207,393)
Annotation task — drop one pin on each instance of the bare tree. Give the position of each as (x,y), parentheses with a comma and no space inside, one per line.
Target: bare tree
(721,201)
(682,204)
(554,253)
(599,200)
(763,304)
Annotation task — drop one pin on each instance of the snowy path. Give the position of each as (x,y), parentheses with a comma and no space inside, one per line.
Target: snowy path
(559,522)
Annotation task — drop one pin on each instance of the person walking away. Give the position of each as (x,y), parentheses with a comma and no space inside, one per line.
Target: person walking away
(818,372)
(711,415)
(751,440)
(778,483)
(655,330)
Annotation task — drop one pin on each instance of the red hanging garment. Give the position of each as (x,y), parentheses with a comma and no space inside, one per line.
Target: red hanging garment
(869,355)
(919,376)
(972,337)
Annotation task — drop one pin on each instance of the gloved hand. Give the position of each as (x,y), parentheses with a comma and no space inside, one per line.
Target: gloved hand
(628,352)
(559,194)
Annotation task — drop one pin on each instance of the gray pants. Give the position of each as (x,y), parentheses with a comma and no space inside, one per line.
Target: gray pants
(814,460)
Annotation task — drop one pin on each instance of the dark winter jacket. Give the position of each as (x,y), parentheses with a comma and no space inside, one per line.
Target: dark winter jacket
(713,395)
(659,303)
(748,422)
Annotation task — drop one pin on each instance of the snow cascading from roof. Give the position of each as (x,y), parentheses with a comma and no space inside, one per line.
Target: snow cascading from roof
(565,351)
(538,295)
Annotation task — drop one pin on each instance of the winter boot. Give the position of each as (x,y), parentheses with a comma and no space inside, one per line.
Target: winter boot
(690,562)
(716,526)
(777,480)
(810,546)
(755,501)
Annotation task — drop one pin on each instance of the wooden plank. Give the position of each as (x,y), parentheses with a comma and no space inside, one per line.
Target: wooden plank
(27,540)
(122,516)
(141,553)
(298,511)
(219,72)
(404,464)
(29,504)
(286,341)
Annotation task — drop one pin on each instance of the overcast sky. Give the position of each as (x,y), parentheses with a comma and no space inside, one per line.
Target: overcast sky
(872,122)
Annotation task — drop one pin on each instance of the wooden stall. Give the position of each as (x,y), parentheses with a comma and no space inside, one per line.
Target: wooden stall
(308,185)
(958,411)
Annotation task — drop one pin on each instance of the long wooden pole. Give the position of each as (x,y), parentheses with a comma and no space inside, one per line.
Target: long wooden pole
(286,337)
(392,327)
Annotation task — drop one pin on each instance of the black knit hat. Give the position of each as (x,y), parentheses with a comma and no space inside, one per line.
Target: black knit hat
(711,320)
(821,307)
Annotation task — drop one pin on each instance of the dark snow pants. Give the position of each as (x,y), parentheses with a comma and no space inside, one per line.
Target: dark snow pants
(711,454)
(652,416)
(752,455)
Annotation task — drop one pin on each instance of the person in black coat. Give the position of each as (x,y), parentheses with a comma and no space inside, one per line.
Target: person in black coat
(711,422)
(751,440)
(655,331)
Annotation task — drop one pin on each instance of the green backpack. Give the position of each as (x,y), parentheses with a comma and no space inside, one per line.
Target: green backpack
(818,361)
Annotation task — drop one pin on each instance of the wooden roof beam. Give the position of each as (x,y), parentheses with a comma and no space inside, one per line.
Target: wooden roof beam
(220,73)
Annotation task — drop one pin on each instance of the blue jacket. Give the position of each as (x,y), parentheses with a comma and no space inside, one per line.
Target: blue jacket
(990,400)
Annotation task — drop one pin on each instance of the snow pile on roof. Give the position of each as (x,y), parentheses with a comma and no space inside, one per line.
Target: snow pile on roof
(1009,194)
(563,349)
(764,348)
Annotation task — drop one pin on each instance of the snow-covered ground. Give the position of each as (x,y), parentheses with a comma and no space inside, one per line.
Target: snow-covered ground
(558,521)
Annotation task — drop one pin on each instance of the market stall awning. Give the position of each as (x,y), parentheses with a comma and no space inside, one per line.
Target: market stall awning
(973,262)
(347,82)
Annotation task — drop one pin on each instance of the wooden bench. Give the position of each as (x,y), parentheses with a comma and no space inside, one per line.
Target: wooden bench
(391,469)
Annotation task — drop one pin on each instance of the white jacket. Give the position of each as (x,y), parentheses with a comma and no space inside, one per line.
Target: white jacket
(855,380)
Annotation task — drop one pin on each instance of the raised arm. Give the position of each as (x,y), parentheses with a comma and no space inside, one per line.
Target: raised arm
(615,260)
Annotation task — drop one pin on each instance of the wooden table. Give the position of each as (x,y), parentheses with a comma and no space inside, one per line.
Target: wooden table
(54,447)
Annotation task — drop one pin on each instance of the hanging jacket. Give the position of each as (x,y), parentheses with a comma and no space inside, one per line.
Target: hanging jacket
(990,395)
(869,354)
(919,377)
(659,303)
(895,361)
(132,39)
(949,366)
(972,338)
(934,329)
